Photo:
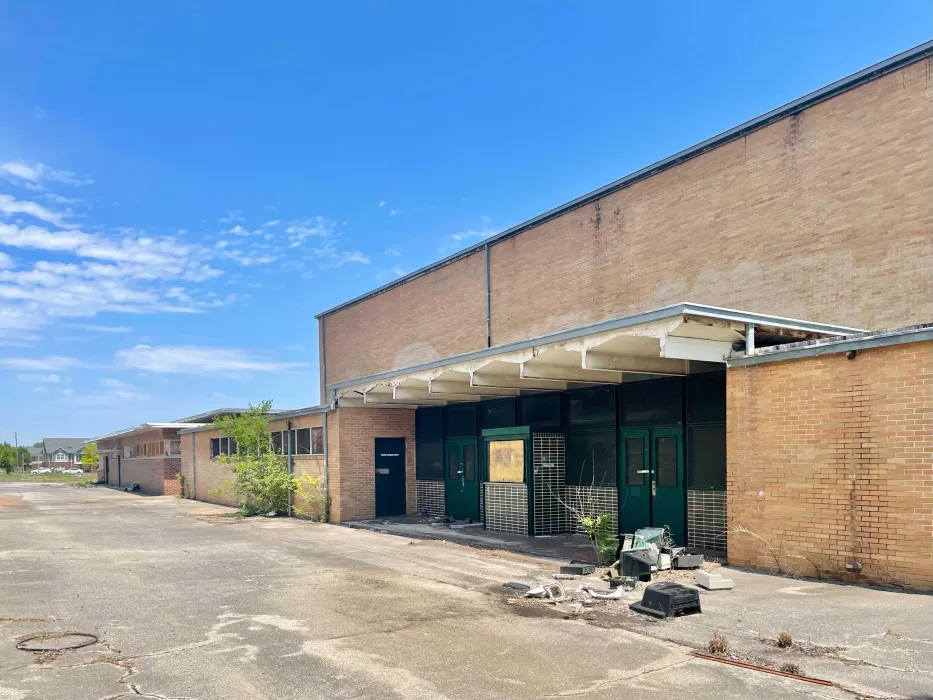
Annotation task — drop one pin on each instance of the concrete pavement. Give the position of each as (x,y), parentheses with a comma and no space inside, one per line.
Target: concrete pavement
(190,603)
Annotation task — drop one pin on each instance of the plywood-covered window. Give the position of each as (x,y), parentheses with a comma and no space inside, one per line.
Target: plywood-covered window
(507,461)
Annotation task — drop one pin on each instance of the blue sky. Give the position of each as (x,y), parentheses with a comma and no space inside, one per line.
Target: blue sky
(184,185)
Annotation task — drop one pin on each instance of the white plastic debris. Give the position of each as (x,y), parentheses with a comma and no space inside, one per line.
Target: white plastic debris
(713,581)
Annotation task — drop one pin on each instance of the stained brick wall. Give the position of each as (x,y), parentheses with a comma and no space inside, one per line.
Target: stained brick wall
(155,475)
(203,474)
(780,221)
(830,460)
(352,458)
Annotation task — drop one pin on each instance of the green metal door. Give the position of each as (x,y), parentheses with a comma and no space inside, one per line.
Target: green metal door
(652,492)
(634,480)
(461,479)
(668,495)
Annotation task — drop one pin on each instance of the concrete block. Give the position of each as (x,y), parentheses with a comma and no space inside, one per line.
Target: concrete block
(713,581)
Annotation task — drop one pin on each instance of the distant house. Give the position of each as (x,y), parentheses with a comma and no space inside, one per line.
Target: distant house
(35,457)
(62,453)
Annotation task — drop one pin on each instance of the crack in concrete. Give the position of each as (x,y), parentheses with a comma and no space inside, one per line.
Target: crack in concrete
(648,670)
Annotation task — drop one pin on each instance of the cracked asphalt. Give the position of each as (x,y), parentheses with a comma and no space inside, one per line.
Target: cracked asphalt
(189,603)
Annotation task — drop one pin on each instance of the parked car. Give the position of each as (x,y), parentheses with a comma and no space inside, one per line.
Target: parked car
(73,470)
(41,470)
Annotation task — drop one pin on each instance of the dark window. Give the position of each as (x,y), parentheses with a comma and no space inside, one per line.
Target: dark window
(317,441)
(634,461)
(429,424)
(222,446)
(541,412)
(499,413)
(303,441)
(706,398)
(657,402)
(591,458)
(591,409)
(706,457)
(429,459)
(665,456)
(277,442)
(461,420)
(469,462)
(453,463)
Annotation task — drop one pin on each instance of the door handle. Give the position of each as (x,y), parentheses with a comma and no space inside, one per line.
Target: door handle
(654,488)
(644,471)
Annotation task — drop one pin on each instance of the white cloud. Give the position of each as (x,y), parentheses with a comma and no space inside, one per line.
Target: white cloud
(382,203)
(10,205)
(316,226)
(192,359)
(393,212)
(328,256)
(233,217)
(52,363)
(68,392)
(39,378)
(6,262)
(59,199)
(41,390)
(464,237)
(38,112)
(399,271)
(270,224)
(37,173)
(102,329)
(394,252)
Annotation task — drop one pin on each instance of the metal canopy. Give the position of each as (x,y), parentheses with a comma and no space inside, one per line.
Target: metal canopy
(674,341)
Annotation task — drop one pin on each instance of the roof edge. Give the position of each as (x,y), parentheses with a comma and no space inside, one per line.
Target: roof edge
(873,72)
(311,410)
(140,428)
(665,312)
(835,346)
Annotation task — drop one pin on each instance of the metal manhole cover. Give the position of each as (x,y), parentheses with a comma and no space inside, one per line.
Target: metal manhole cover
(56,641)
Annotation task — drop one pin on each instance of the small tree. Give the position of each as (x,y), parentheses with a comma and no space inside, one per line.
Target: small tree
(7,457)
(261,479)
(89,458)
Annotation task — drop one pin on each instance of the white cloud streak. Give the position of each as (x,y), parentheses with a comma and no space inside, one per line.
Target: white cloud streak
(192,359)
(9,206)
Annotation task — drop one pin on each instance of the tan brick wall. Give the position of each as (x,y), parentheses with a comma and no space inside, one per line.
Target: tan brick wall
(831,461)
(352,458)
(782,221)
(204,474)
(428,318)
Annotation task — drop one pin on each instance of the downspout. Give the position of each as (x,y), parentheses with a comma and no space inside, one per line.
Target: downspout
(488,301)
(288,426)
(326,489)
(194,467)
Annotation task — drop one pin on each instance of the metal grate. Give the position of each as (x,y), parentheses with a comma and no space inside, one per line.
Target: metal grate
(706,520)
(596,500)
(431,501)
(548,461)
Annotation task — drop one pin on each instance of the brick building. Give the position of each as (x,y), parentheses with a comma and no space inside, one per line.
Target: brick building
(148,455)
(698,345)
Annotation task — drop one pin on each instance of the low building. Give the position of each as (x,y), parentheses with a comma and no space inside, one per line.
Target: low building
(147,455)
(297,434)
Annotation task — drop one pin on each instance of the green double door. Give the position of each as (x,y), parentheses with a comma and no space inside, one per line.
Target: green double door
(461,479)
(653,492)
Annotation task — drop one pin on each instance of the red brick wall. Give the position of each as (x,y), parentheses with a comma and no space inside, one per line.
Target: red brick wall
(831,461)
(352,456)
(781,221)
(171,467)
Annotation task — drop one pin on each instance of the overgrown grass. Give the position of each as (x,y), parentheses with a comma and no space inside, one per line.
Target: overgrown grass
(85,479)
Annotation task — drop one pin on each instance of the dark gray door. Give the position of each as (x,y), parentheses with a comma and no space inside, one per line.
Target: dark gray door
(390,477)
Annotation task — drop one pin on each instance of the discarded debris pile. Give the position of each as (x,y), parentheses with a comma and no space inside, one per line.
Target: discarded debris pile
(648,577)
